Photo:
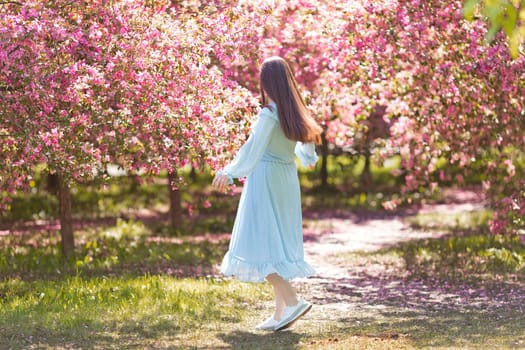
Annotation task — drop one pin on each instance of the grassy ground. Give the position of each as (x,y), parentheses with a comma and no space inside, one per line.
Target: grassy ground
(123,196)
(136,283)
(434,301)
(128,290)
(454,288)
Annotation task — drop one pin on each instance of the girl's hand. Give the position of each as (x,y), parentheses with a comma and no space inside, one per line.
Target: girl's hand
(220,182)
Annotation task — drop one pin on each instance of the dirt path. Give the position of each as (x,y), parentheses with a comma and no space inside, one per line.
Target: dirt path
(367,290)
(341,286)
(345,232)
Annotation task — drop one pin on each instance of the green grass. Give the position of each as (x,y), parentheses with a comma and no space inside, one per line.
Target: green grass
(127,247)
(163,312)
(123,196)
(465,249)
(464,257)
(121,293)
(345,173)
(468,249)
(117,313)
(128,286)
(453,222)
(432,328)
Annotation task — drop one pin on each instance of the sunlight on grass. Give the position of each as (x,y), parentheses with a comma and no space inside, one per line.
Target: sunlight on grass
(460,256)
(467,220)
(469,250)
(129,195)
(124,288)
(127,247)
(84,311)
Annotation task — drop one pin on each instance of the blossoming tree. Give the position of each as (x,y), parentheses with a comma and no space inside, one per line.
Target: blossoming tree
(505,15)
(448,94)
(158,85)
(88,84)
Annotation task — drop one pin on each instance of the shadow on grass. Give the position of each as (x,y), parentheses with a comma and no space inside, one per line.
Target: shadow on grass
(131,335)
(273,340)
(433,300)
(45,338)
(136,336)
(443,328)
(107,256)
(431,313)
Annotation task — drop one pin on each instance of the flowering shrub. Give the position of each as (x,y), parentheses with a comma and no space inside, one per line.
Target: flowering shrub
(505,15)
(87,84)
(156,85)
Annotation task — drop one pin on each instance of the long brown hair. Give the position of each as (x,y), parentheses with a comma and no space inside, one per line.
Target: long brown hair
(278,82)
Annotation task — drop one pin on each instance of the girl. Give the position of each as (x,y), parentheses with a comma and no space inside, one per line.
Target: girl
(267,237)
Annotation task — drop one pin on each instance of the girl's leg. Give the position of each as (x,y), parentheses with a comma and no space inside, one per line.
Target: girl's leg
(279,304)
(284,293)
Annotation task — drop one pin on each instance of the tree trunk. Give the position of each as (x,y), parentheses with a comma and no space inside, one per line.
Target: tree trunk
(324,160)
(175,201)
(366,175)
(53,184)
(66,220)
(193,174)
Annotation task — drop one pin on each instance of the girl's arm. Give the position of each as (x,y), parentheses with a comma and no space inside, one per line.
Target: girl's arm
(252,151)
(306,153)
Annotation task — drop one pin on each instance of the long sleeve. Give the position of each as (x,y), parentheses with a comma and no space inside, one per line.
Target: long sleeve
(306,153)
(253,150)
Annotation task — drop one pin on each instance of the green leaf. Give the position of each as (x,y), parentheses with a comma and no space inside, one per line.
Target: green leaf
(509,23)
(469,7)
(494,12)
(491,34)
(514,44)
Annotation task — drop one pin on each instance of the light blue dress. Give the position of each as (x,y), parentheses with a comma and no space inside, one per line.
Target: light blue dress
(267,235)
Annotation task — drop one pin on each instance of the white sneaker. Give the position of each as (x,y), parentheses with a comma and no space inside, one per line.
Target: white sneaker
(267,325)
(292,314)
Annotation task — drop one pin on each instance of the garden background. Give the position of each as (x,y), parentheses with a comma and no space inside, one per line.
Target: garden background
(116,114)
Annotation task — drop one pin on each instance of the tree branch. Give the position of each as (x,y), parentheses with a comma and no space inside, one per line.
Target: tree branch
(11,2)
(6,88)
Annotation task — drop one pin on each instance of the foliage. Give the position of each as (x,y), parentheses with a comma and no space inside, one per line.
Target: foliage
(126,247)
(126,310)
(462,292)
(430,68)
(89,84)
(506,15)
(154,87)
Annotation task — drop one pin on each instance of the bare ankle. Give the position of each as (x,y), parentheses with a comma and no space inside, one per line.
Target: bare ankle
(278,314)
(292,301)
